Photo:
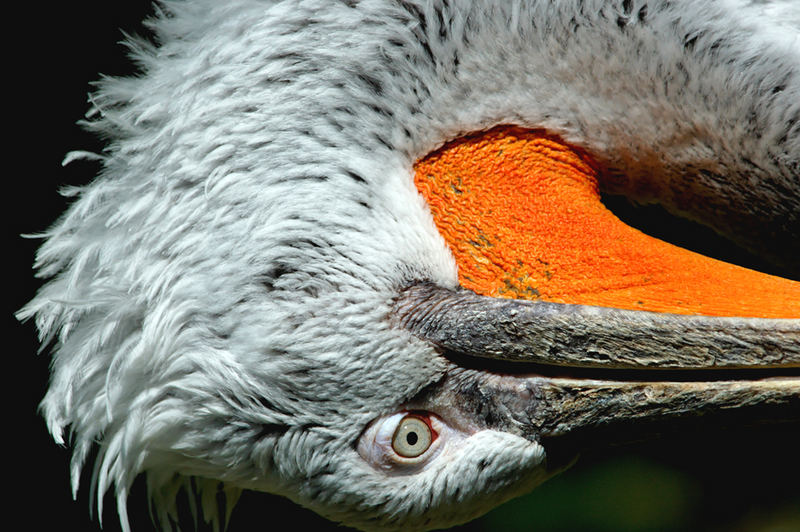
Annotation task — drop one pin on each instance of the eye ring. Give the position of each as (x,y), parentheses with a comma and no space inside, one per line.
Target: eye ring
(412,437)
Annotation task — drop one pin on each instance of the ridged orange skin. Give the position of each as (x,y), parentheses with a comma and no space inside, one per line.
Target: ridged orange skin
(521,212)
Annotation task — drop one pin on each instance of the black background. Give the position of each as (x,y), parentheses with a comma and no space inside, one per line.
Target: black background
(724,480)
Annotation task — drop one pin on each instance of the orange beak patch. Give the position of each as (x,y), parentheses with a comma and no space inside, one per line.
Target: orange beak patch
(521,212)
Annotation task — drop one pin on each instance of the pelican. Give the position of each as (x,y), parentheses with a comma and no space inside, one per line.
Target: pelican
(354,253)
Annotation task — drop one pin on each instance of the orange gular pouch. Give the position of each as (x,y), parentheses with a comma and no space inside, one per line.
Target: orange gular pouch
(521,212)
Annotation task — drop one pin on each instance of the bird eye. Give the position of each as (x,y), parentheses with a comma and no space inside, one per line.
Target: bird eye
(407,441)
(412,437)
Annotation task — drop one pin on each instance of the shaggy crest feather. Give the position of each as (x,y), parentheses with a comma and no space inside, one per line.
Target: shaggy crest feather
(218,297)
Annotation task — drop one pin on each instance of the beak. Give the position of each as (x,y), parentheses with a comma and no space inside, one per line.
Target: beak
(549,370)
(571,323)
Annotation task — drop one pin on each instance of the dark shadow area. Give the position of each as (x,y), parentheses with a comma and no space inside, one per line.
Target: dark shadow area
(655,221)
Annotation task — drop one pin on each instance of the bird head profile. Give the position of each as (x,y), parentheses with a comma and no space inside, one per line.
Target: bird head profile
(355,253)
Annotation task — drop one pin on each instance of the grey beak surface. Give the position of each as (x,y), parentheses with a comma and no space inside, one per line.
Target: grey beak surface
(546,370)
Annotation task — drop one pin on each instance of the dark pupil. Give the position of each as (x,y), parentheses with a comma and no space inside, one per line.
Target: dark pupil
(412,438)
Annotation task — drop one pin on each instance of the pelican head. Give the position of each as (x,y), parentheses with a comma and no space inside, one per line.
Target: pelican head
(353,252)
